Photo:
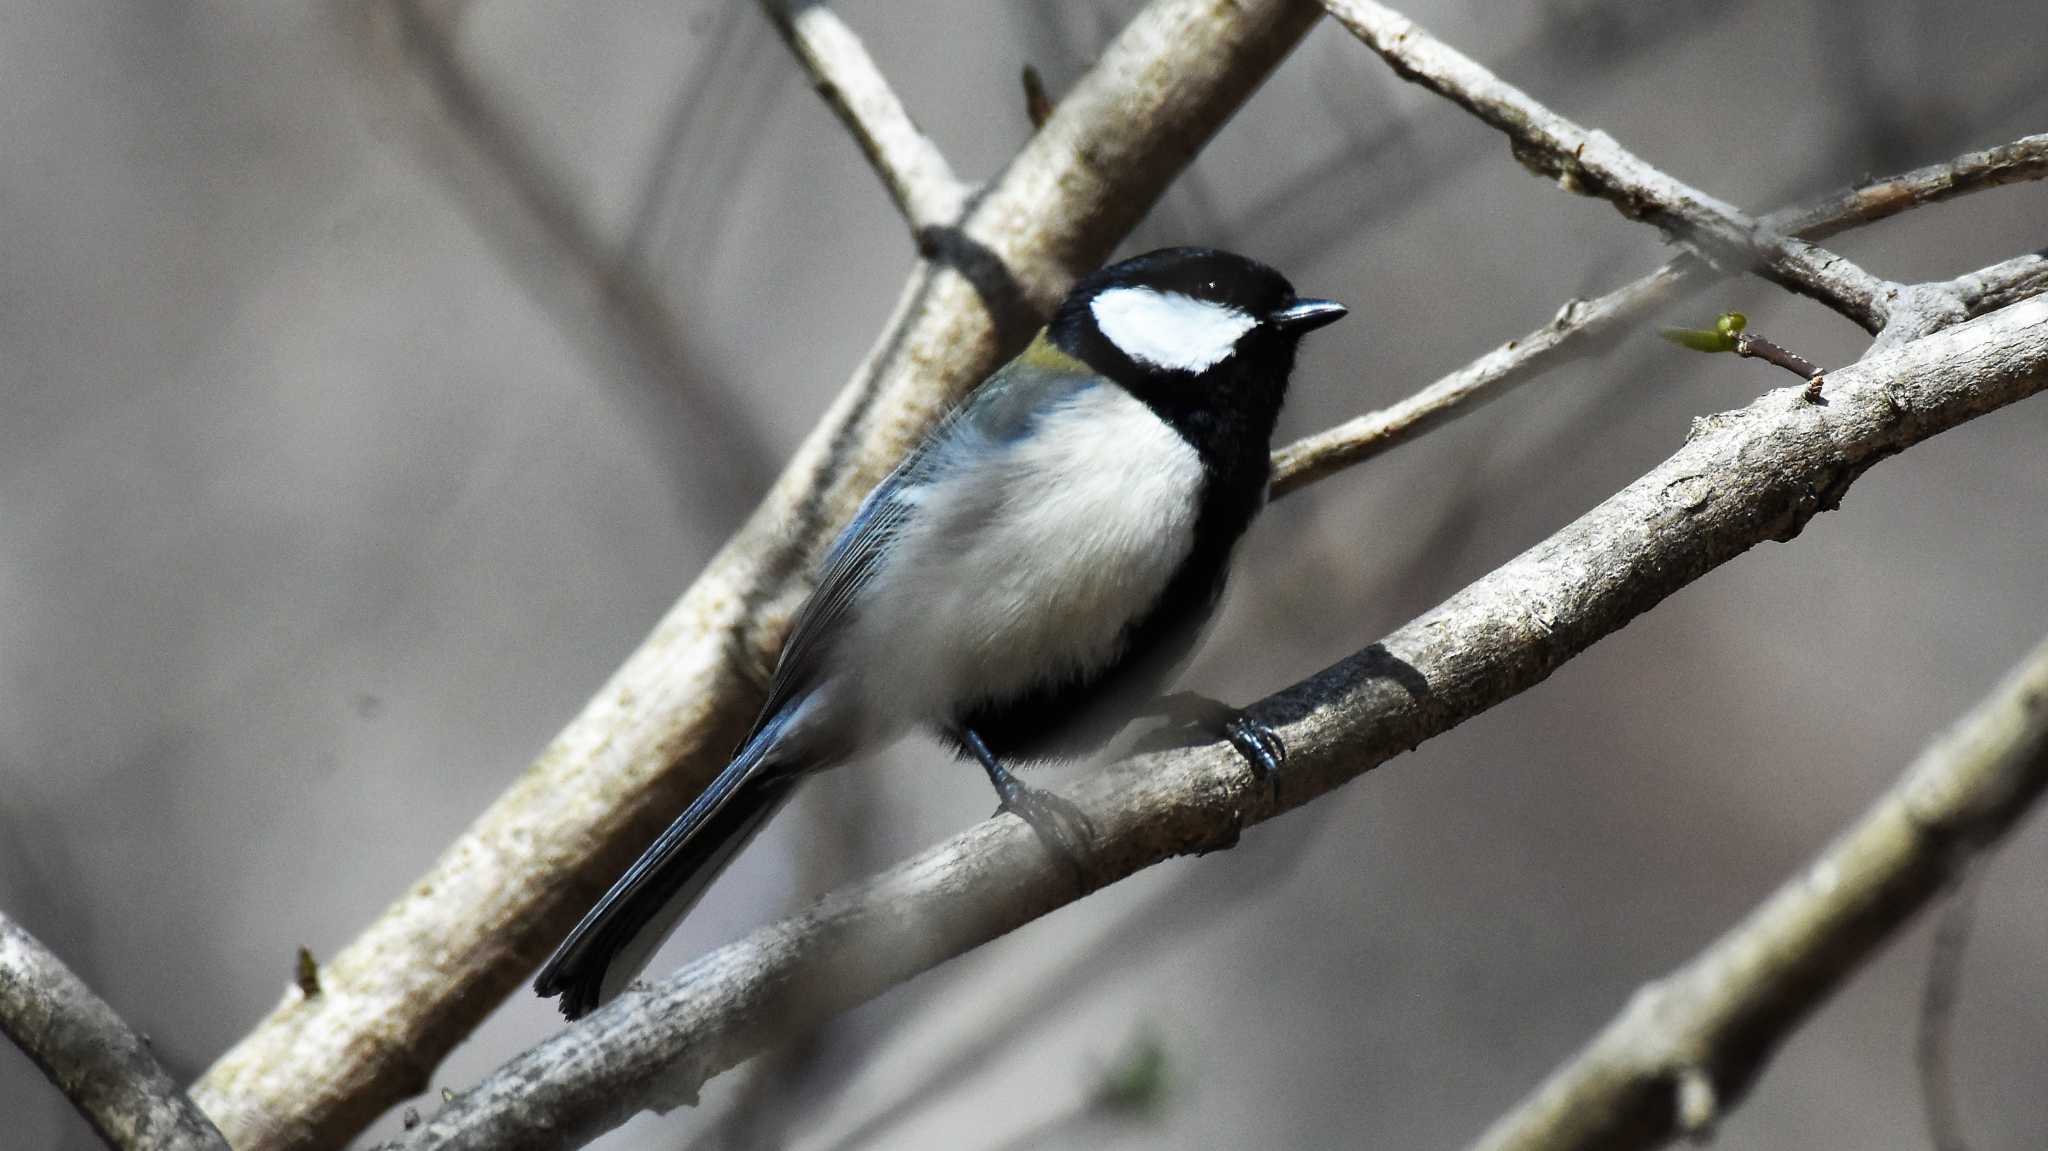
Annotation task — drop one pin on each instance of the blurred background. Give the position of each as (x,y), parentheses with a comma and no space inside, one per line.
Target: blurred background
(373,377)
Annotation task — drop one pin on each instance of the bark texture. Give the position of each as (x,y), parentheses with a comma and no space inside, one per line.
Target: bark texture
(91,1054)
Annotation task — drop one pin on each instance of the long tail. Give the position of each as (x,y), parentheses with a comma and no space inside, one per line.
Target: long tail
(619,935)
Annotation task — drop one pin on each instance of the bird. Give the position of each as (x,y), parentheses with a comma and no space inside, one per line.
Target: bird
(1028,578)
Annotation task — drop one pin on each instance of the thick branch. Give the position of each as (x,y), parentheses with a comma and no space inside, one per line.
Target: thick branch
(1592,163)
(1574,330)
(418,979)
(1705,1032)
(910,165)
(1743,477)
(105,1069)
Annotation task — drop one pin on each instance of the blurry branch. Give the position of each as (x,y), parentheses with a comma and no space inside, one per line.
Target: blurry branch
(394,1001)
(1591,163)
(1199,899)
(787,1083)
(1135,1087)
(726,71)
(917,176)
(105,1069)
(1576,325)
(1689,1046)
(1932,1051)
(1742,478)
(539,227)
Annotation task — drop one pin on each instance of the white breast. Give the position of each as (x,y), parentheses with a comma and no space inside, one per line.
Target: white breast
(1030,562)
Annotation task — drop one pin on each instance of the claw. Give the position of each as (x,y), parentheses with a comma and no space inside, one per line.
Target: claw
(1064,828)
(1261,746)
(1187,711)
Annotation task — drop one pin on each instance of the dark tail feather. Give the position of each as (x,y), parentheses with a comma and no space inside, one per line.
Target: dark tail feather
(619,935)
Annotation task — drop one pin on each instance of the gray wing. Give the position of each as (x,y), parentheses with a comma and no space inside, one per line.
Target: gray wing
(1002,409)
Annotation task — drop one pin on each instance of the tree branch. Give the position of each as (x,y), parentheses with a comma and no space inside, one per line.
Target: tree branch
(547,239)
(910,165)
(1577,325)
(1938,995)
(1690,1045)
(453,945)
(2003,283)
(418,979)
(1742,478)
(105,1069)
(1570,333)
(1592,163)
(2022,160)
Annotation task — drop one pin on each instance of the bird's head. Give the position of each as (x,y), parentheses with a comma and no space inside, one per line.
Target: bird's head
(1171,318)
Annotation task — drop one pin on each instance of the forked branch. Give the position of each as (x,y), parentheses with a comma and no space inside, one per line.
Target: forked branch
(1591,163)
(1580,324)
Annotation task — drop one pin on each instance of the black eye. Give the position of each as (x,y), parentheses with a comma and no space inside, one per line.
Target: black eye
(1209,289)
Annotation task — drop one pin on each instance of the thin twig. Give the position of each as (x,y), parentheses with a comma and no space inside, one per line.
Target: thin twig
(1577,325)
(1743,478)
(2022,160)
(456,942)
(1591,163)
(1752,346)
(1932,1051)
(95,1059)
(1689,1046)
(1571,332)
(2006,282)
(910,165)
(511,189)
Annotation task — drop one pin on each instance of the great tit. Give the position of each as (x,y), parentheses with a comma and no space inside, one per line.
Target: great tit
(1035,570)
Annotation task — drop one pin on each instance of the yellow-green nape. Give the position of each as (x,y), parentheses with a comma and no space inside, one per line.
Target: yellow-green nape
(1045,355)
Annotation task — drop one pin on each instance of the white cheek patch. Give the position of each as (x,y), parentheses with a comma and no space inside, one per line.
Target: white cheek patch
(1168,329)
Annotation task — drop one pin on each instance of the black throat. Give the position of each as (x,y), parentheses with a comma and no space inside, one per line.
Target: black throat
(1227,413)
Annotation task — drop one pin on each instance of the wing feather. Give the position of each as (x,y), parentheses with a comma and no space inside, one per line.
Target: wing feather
(1002,409)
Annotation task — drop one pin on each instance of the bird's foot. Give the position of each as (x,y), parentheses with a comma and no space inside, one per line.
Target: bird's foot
(1063,827)
(1187,711)
(1261,746)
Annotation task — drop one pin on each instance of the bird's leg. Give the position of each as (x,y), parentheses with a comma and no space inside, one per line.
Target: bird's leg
(1060,825)
(1259,744)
